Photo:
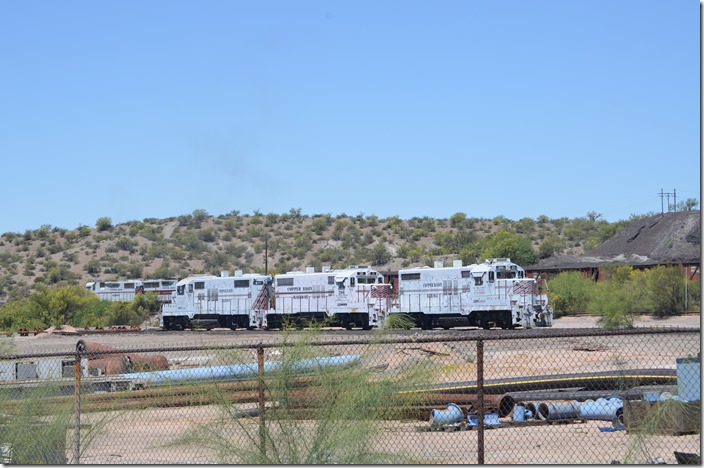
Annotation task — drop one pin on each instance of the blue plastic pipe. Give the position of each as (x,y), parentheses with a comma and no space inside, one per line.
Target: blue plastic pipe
(601,409)
(238,371)
(452,414)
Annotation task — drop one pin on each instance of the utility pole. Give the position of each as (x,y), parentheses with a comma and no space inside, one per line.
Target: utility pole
(667,194)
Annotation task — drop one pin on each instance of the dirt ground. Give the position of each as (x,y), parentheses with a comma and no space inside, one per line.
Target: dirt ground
(154,338)
(150,436)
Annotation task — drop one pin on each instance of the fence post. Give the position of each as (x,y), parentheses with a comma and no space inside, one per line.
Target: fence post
(480,401)
(262,433)
(77,406)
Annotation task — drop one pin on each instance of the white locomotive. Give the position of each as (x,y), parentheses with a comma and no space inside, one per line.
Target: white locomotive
(126,290)
(495,293)
(209,301)
(113,290)
(353,297)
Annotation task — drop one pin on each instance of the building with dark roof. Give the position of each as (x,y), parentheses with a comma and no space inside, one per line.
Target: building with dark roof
(672,239)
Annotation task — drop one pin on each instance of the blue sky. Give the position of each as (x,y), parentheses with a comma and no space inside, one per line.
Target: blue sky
(152,109)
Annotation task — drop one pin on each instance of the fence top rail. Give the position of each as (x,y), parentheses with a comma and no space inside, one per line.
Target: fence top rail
(454,336)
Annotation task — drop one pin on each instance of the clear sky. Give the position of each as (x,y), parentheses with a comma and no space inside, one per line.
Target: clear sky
(151,109)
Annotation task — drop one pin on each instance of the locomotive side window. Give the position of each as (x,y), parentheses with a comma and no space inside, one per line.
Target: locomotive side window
(352,281)
(380,280)
(331,280)
(241,283)
(466,274)
(410,276)
(491,276)
(179,290)
(284,281)
(200,284)
(478,280)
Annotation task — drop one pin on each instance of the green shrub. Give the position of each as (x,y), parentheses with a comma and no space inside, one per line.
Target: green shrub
(103,224)
(666,287)
(569,293)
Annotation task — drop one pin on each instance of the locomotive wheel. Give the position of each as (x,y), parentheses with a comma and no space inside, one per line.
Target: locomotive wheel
(486,325)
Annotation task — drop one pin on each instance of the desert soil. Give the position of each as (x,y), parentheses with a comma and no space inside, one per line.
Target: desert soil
(148,436)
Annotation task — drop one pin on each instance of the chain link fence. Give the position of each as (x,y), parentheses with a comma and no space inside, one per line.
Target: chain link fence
(513,397)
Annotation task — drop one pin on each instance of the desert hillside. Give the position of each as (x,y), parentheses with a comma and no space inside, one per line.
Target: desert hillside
(200,243)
